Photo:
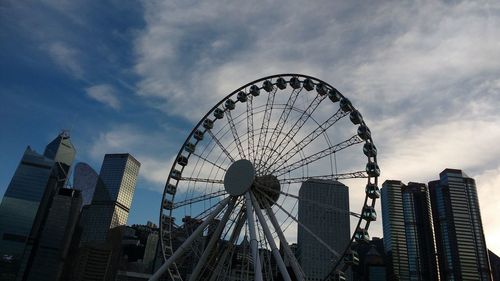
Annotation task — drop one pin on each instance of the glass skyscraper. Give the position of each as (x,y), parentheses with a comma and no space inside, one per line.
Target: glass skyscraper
(332,226)
(26,202)
(112,197)
(21,201)
(408,231)
(85,180)
(459,231)
(55,238)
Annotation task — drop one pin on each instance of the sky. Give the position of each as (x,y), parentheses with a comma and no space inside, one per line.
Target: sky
(136,76)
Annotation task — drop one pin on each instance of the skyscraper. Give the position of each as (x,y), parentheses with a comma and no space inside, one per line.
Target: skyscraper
(55,238)
(112,197)
(459,231)
(331,226)
(408,231)
(104,219)
(20,205)
(85,180)
(28,198)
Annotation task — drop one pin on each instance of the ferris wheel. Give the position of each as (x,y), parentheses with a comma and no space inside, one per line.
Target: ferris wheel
(230,205)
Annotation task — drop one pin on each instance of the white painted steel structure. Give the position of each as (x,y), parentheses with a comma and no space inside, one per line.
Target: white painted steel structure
(250,153)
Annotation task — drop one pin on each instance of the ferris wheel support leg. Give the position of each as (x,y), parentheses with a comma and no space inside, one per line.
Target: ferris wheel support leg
(232,240)
(184,247)
(213,240)
(253,237)
(293,261)
(270,239)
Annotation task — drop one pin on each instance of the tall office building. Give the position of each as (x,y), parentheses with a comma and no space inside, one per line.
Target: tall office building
(459,231)
(55,238)
(112,197)
(408,231)
(331,226)
(26,202)
(20,205)
(104,219)
(85,180)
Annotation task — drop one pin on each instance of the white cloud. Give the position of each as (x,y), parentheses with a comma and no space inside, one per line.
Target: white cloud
(66,57)
(105,94)
(487,188)
(424,75)
(155,165)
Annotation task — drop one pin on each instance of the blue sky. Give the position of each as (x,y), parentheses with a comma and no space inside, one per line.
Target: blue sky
(135,76)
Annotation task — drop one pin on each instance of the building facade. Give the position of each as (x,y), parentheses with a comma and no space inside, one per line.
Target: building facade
(19,208)
(103,221)
(26,203)
(459,230)
(55,238)
(408,231)
(85,180)
(112,197)
(330,225)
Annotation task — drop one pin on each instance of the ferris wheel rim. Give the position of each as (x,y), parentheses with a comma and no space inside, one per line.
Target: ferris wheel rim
(221,102)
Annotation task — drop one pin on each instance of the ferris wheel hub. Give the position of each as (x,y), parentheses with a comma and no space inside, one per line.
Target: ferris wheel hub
(239,177)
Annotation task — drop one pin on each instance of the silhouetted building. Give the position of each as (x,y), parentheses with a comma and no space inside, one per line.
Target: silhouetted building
(372,261)
(408,231)
(459,231)
(330,224)
(85,180)
(19,208)
(55,239)
(494,265)
(27,201)
(150,251)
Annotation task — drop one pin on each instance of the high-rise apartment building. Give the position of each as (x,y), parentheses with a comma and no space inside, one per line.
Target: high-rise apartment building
(330,224)
(408,231)
(459,230)
(112,197)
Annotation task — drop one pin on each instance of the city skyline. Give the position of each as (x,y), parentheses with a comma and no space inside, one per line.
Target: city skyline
(424,78)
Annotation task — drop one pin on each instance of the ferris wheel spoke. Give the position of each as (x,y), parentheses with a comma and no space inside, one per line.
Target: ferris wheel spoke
(290,135)
(265,126)
(217,141)
(321,205)
(192,179)
(208,161)
(250,130)
(287,109)
(200,198)
(270,239)
(186,244)
(234,131)
(340,176)
(308,139)
(317,156)
(213,240)
(303,226)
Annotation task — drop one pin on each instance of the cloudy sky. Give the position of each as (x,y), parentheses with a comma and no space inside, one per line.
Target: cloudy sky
(135,76)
